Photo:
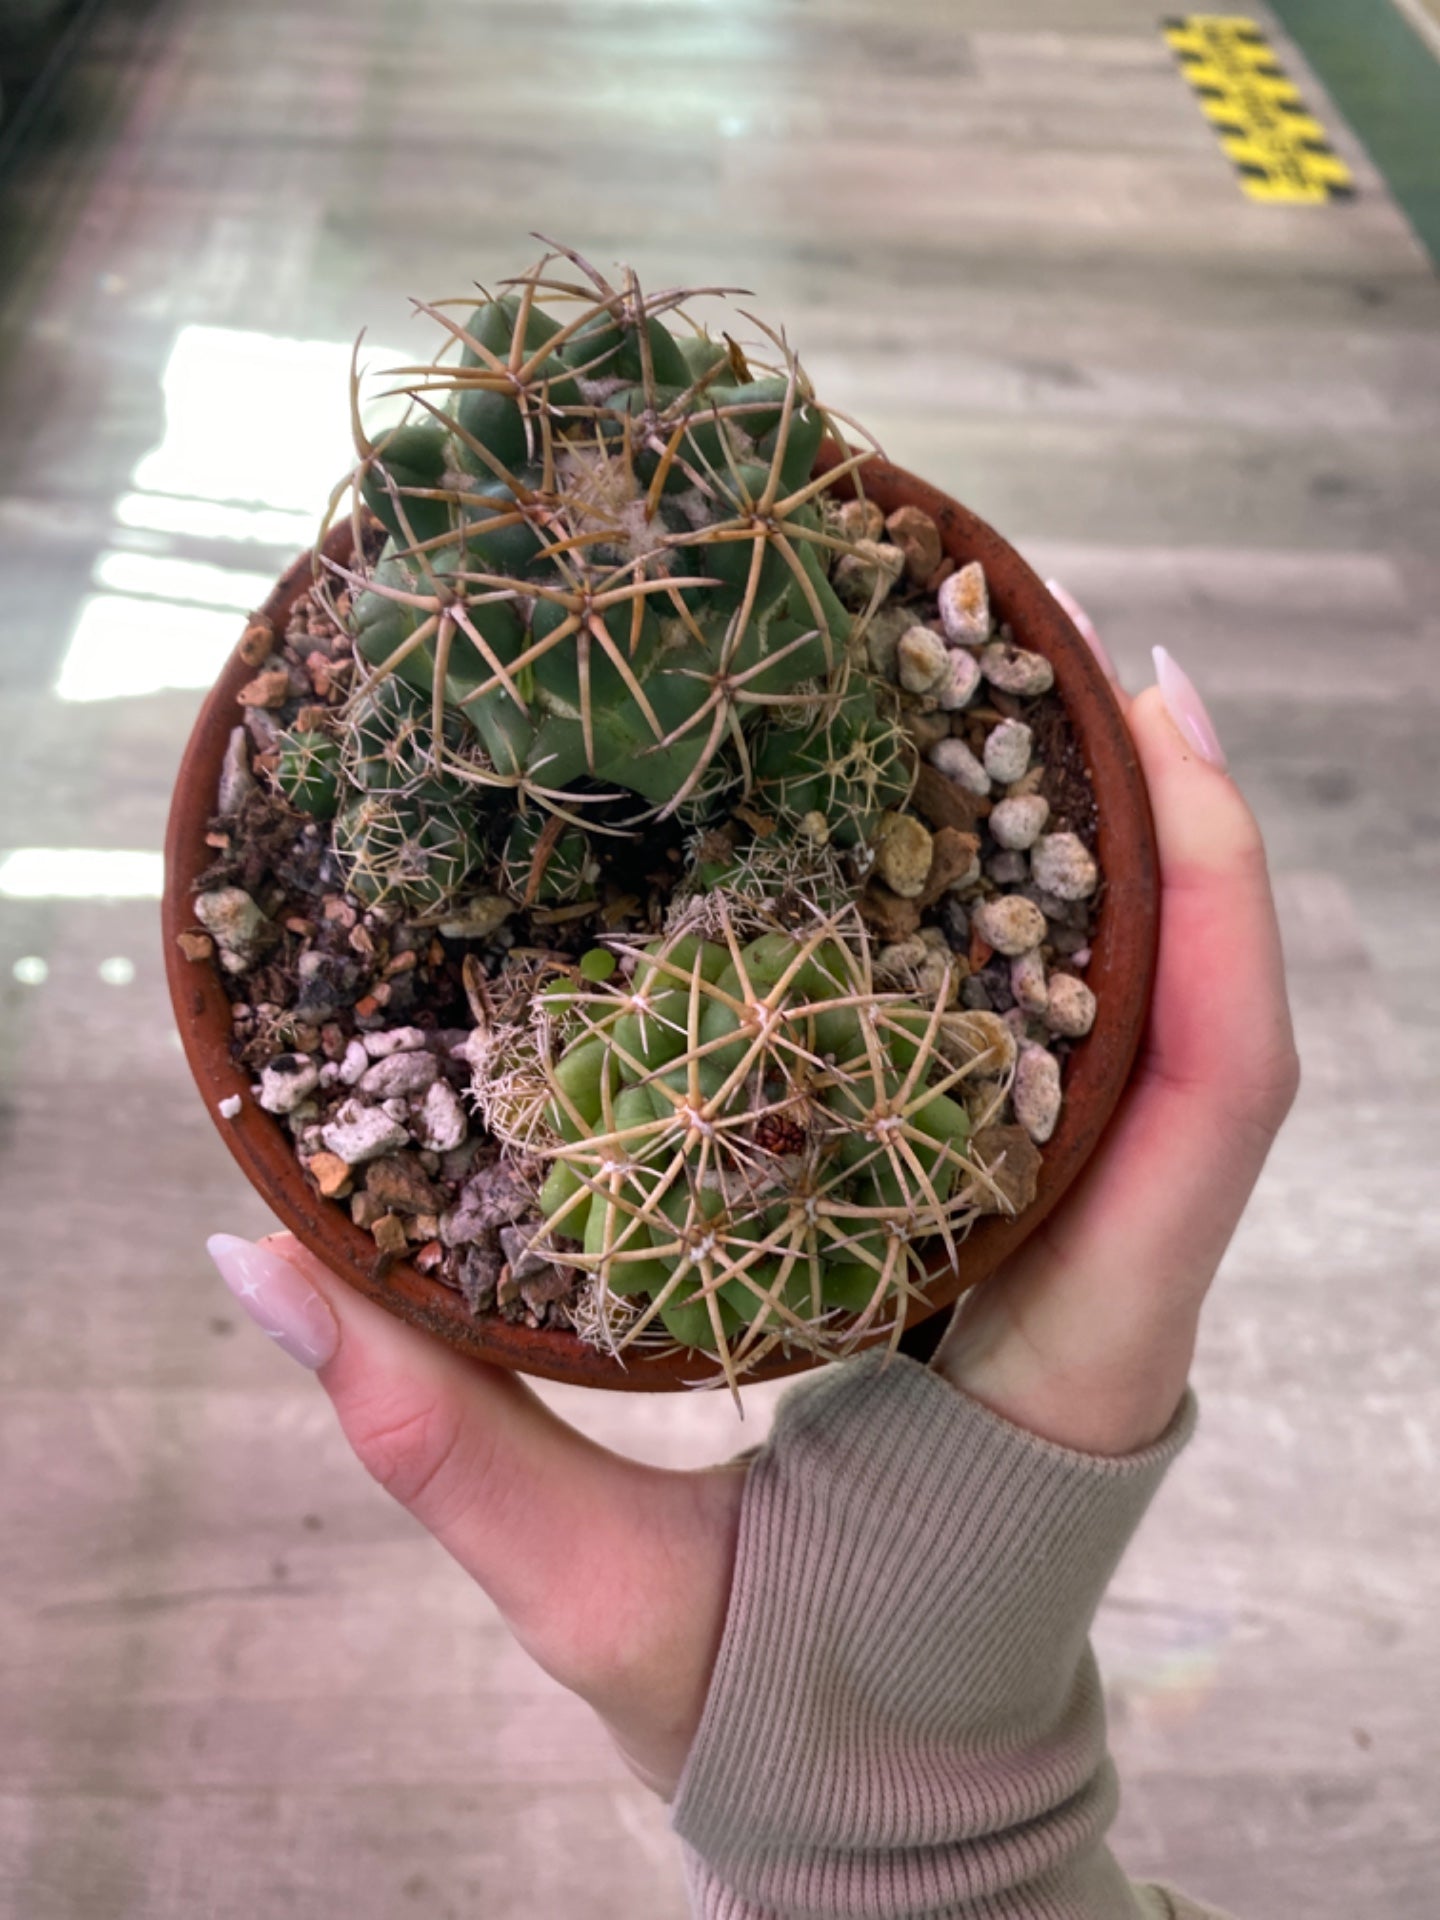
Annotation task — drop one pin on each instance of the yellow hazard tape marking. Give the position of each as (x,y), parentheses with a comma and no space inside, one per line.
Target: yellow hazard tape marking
(1278,148)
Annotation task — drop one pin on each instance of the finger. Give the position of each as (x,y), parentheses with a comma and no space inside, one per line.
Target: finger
(512,1492)
(1108,1291)
(1217,1070)
(613,1575)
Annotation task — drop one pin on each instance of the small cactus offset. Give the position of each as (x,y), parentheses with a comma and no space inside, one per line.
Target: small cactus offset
(307,770)
(412,853)
(546,860)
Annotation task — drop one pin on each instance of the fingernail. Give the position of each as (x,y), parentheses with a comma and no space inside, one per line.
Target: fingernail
(1085,627)
(278,1298)
(1187,709)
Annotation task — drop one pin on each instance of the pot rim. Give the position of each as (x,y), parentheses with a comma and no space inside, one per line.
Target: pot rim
(1121,971)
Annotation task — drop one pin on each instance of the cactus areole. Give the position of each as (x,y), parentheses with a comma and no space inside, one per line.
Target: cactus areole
(634,699)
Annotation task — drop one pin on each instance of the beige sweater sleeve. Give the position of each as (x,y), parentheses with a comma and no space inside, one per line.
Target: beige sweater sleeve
(906,1718)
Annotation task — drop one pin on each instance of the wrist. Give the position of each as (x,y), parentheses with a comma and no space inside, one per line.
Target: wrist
(1109,1408)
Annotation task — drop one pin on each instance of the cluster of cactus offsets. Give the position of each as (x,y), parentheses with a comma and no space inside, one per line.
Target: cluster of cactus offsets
(608,560)
(751,1143)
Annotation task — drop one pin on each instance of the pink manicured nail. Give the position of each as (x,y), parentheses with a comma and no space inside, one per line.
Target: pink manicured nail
(278,1298)
(1187,709)
(1085,627)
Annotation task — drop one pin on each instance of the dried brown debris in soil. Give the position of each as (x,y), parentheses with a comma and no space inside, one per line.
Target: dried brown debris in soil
(955,854)
(390,1236)
(257,643)
(1012,1161)
(943,803)
(1066,784)
(890,916)
(332,1175)
(401,1184)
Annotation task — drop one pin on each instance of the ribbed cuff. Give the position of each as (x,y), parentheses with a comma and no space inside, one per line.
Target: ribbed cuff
(905,1718)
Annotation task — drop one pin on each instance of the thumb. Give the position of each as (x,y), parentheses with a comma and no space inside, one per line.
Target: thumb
(613,1575)
(505,1486)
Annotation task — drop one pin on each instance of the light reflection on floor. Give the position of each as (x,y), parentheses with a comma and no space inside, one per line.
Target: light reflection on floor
(257,434)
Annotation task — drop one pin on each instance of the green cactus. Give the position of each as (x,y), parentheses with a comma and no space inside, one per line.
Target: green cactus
(308,772)
(608,555)
(605,595)
(413,851)
(390,744)
(754,1139)
(546,861)
(848,767)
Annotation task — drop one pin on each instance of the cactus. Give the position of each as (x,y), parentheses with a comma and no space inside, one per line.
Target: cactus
(545,863)
(390,744)
(848,767)
(604,598)
(607,555)
(415,852)
(749,1139)
(307,771)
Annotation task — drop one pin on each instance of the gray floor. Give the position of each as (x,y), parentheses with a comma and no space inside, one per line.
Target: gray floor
(233,1680)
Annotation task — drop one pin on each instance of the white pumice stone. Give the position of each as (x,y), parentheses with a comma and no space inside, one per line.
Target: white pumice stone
(1071,1009)
(1028,983)
(1007,751)
(381,1045)
(901,956)
(868,573)
(1017,824)
(956,688)
(229,1107)
(1009,923)
(399,1074)
(965,606)
(955,760)
(937,974)
(359,1133)
(286,1082)
(921,659)
(1015,671)
(354,1064)
(239,928)
(440,1123)
(982,1039)
(1063,865)
(1035,1092)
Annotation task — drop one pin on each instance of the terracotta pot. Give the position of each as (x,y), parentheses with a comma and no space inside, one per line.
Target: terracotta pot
(1121,972)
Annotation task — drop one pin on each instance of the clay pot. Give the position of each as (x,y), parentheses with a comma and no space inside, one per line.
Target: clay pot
(1121,973)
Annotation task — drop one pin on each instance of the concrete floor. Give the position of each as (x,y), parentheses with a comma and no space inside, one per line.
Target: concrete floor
(233,1679)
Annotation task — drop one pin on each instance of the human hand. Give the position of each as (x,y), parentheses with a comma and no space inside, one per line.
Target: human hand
(616,1576)
(1086,1335)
